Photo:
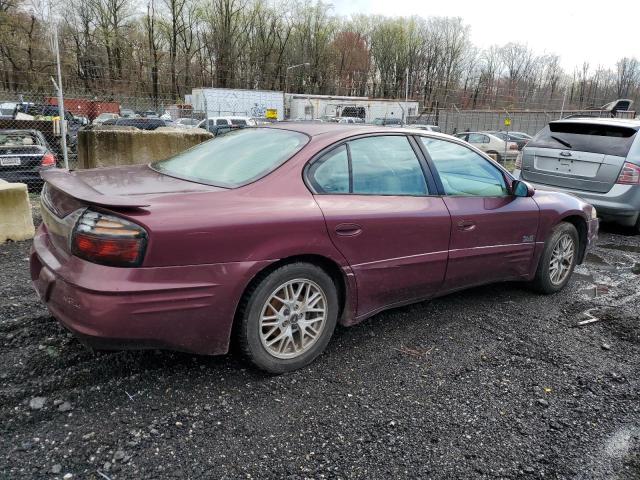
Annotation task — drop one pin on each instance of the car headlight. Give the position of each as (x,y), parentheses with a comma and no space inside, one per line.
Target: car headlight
(594,213)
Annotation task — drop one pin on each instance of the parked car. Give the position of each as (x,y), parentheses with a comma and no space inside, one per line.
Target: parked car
(284,231)
(349,120)
(427,128)
(103,117)
(140,123)
(23,155)
(491,144)
(187,122)
(222,125)
(127,113)
(597,159)
(49,112)
(519,140)
(388,121)
(8,110)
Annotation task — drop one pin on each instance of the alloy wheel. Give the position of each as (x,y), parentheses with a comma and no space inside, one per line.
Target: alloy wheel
(293,318)
(561,259)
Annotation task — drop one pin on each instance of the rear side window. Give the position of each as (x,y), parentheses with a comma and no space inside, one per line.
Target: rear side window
(380,165)
(586,137)
(239,122)
(330,174)
(235,159)
(386,165)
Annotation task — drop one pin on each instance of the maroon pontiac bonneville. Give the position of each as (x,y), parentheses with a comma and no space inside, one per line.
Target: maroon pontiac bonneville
(271,236)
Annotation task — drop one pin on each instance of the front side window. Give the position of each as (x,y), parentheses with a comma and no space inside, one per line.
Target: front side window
(235,159)
(463,172)
(386,165)
(222,122)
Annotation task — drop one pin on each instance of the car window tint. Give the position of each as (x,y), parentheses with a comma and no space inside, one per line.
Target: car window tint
(586,137)
(464,172)
(221,122)
(386,165)
(330,173)
(478,138)
(236,158)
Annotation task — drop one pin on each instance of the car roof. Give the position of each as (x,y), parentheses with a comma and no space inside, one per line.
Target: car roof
(345,130)
(623,122)
(9,131)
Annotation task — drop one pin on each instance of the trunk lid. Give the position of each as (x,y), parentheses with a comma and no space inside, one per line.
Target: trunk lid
(578,154)
(66,194)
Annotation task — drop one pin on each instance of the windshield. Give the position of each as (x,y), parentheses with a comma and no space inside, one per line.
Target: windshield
(236,158)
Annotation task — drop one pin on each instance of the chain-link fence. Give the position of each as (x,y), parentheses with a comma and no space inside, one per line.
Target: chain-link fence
(453,120)
(31,127)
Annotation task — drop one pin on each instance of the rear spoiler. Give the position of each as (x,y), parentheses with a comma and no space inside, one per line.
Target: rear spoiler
(67,181)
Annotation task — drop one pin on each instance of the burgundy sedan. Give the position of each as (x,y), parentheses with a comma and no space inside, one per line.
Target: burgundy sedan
(270,236)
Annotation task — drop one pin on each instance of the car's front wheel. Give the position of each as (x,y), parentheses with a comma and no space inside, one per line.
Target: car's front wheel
(287,317)
(558,259)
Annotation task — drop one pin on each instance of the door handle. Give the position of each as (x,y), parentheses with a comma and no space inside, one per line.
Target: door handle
(466,225)
(348,229)
(565,153)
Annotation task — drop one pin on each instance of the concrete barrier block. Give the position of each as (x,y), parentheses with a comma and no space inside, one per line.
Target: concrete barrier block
(16,222)
(109,146)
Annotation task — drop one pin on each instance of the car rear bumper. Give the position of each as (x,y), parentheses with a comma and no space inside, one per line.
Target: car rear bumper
(187,308)
(620,204)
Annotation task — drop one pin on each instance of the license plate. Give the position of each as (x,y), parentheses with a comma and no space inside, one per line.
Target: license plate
(10,161)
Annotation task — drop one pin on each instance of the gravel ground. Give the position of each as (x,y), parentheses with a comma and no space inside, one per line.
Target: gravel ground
(495,382)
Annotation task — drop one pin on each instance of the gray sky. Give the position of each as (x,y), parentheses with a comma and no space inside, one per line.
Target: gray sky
(599,32)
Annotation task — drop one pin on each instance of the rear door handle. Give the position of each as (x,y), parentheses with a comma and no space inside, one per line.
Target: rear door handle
(565,153)
(466,225)
(348,229)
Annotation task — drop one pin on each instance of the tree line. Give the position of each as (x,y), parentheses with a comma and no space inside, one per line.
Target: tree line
(161,49)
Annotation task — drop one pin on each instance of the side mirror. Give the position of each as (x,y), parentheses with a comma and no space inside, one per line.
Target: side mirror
(522,189)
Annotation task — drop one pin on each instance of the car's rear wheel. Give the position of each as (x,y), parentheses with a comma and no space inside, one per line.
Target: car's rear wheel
(558,259)
(287,317)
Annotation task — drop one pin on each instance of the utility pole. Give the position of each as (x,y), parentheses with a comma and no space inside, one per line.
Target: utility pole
(58,85)
(406,94)
(564,98)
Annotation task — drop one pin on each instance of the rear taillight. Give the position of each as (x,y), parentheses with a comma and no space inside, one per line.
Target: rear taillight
(49,160)
(629,175)
(519,161)
(108,240)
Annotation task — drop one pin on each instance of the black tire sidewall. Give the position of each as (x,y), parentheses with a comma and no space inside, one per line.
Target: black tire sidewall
(250,327)
(543,279)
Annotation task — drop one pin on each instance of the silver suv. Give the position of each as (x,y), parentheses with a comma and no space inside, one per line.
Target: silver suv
(597,159)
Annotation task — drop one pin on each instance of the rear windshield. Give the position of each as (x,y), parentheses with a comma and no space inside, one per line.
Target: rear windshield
(586,137)
(236,158)
(18,139)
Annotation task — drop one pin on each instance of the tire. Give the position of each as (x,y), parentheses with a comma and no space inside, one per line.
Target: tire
(548,279)
(283,342)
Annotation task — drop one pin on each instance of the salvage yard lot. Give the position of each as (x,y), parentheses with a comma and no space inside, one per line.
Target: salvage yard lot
(495,382)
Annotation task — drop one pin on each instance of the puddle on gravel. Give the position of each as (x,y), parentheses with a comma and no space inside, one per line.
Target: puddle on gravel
(597,290)
(596,259)
(622,248)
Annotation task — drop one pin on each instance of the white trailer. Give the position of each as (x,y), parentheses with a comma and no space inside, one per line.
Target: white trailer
(224,102)
(313,107)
